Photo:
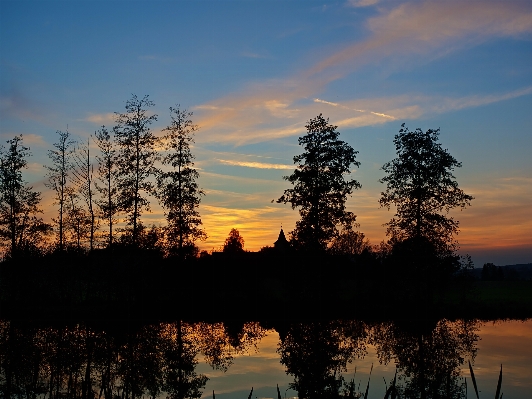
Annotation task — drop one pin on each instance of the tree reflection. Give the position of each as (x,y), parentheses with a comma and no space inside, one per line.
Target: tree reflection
(77,362)
(317,353)
(428,358)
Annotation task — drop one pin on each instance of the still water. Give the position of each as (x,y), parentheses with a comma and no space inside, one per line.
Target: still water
(506,342)
(312,360)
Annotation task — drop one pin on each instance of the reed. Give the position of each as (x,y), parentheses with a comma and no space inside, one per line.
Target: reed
(498,394)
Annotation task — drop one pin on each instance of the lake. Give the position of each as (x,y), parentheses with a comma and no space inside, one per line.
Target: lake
(319,359)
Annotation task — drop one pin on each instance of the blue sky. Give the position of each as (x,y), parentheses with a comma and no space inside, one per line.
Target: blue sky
(253,72)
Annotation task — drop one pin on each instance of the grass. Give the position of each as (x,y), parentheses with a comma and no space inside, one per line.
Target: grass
(509,292)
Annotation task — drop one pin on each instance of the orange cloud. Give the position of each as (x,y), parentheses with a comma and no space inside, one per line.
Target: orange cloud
(257,165)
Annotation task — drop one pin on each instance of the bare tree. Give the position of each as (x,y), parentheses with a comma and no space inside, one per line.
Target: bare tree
(77,221)
(82,179)
(57,175)
(107,175)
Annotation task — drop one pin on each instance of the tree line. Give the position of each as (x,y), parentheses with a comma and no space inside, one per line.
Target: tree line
(93,192)
(97,192)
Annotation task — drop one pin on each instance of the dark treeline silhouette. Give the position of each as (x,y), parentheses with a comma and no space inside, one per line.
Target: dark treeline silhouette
(113,360)
(97,257)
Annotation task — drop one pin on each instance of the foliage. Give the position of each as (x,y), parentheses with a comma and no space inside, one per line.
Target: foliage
(234,243)
(320,190)
(58,173)
(178,191)
(136,158)
(349,242)
(20,228)
(420,184)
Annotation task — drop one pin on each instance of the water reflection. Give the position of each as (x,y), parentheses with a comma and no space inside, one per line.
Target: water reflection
(160,360)
(428,358)
(78,362)
(317,353)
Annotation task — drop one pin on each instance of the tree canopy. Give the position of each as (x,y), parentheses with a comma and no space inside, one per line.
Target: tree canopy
(234,243)
(320,188)
(177,188)
(20,227)
(421,185)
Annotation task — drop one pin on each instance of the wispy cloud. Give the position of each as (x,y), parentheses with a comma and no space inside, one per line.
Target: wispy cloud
(347,114)
(317,100)
(496,217)
(29,139)
(279,108)
(258,226)
(257,165)
(15,104)
(249,54)
(422,27)
(362,3)
(158,58)
(108,118)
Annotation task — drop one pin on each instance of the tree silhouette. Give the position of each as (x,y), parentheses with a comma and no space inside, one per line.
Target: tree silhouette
(107,176)
(58,173)
(83,180)
(420,184)
(136,158)
(178,191)
(234,243)
(19,204)
(320,189)
(77,222)
(349,242)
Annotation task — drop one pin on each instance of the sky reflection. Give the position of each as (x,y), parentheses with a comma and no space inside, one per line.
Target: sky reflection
(502,342)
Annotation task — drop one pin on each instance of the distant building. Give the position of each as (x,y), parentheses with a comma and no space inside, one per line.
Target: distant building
(282,243)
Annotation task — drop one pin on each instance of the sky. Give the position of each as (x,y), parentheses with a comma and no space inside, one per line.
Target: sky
(254,72)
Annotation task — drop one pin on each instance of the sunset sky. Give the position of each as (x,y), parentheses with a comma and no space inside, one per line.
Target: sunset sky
(253,73)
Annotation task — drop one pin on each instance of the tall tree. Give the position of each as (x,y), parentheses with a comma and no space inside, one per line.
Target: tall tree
(137,155)
(107,176)
(320,189)
(58,174)
(19,204)
(83,180)
(421,186)
(178,191)
(234,243)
